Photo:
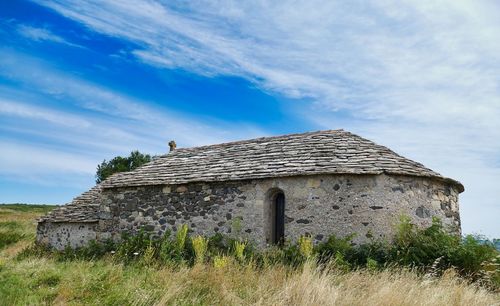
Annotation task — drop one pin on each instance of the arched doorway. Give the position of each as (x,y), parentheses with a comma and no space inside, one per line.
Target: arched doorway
(278,218)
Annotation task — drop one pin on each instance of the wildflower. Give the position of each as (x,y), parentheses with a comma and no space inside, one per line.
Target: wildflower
(200,245)
(239,248)
(220,261)
(305,246)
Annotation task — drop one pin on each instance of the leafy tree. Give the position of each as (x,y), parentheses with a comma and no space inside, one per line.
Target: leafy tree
(120,164)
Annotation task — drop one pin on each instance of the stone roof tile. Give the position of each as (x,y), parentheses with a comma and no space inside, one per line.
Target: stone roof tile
(84,208)
(322,152)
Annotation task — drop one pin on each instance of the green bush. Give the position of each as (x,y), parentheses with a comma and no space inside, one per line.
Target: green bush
(472,254)
(335,247)
(375,250)
(133,247)
(422,248)
(417,247)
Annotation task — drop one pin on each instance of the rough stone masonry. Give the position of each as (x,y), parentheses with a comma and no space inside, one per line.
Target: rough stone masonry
(332,182)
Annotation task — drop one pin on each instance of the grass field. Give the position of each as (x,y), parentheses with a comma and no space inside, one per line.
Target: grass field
(48,280)
(17,223)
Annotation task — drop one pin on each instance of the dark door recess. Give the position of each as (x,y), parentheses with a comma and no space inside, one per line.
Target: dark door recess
(279,220)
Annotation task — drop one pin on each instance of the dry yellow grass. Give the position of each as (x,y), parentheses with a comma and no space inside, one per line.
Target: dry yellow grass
(310,286)
(27,217)
(35,281)
(104,282)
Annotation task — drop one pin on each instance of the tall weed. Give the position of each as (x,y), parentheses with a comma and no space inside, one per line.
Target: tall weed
(200,245)
(239,250)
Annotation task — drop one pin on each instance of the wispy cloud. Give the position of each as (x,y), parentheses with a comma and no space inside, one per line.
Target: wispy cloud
(414,60)
(40,78)
(43,34)
(19,159)
(92,122)
(14,108)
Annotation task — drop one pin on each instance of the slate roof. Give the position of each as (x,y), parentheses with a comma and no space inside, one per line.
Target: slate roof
(84,208)
(322,152)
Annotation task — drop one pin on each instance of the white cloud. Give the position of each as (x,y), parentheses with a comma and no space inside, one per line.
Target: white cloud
(16,109)
(426,72)
(412,59)
(19,159)
(124,114)
(92,123)
(42,34)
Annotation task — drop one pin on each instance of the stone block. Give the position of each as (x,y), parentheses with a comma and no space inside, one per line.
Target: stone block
(313,183)
(166,189)
(181,189)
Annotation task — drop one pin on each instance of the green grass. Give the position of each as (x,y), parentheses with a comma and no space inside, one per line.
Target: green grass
(12,232)
(71,278)
(9,225)
(17,222)
(9,236)
(34,208)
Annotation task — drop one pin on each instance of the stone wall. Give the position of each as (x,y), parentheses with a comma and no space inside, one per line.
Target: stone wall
(62,234)
(206,208)
(321,205)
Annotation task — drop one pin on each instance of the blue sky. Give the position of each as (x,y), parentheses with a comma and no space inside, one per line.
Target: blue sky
(81,81)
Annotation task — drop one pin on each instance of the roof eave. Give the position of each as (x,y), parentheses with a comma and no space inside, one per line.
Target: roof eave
(450,181)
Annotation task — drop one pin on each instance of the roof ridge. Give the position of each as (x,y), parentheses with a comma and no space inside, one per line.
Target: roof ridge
(229,143)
